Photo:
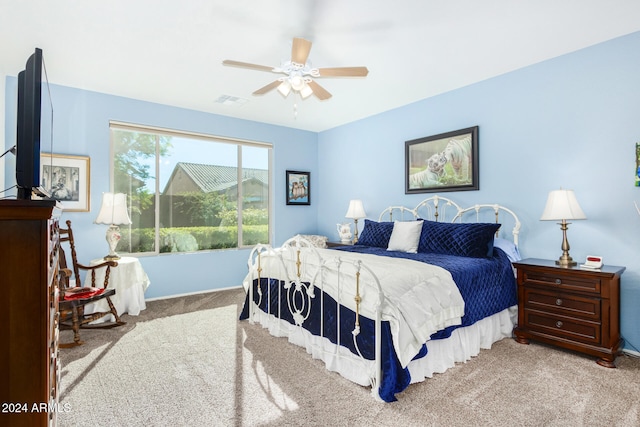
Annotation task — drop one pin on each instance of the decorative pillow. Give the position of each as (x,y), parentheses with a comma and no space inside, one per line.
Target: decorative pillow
(375,234)
(316,240)
(405,236)
(470,240)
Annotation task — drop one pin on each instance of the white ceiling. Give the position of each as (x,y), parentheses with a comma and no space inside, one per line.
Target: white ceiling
(171,51)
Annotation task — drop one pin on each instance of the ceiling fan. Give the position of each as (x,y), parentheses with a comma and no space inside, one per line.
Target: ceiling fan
(298,75)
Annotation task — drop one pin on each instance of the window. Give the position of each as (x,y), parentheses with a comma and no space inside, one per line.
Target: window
(183,190)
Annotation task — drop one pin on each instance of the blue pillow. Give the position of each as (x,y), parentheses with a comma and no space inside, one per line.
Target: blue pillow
(375,234)
(508,247)
(470,240)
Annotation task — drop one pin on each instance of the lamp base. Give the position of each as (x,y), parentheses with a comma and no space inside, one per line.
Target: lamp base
(113,237)
(355,233)
(565,259)
(110,257)
(566,262)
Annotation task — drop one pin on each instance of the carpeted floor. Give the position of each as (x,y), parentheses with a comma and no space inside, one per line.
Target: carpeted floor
(188,361)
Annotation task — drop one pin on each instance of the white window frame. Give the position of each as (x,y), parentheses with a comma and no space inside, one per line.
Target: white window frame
(239,143)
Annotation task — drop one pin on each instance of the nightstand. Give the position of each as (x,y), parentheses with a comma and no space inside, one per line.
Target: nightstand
(570,307)
(337,244)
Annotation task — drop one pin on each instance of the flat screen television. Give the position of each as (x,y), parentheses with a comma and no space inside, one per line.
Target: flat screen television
(34,121)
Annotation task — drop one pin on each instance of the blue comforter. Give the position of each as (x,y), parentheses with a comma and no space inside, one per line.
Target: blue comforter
(487,286)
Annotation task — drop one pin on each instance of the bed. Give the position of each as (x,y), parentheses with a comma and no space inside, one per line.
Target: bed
(422,289)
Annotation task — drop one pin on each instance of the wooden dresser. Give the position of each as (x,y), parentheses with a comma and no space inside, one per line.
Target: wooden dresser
(29,366)
(573,308)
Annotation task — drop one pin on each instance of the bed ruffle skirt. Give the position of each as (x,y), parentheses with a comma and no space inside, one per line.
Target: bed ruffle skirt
(463,344)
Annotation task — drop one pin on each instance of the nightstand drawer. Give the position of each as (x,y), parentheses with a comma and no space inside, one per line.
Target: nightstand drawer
(569,282)
(563,326)
(563,303)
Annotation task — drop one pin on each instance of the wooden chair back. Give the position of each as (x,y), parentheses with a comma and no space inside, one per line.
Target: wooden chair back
(66,236)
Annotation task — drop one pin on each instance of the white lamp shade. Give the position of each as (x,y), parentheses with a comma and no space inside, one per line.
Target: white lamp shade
(113,210)
(562,204)
(356,210)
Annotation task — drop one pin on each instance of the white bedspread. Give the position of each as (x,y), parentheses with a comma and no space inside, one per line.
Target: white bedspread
(419,299)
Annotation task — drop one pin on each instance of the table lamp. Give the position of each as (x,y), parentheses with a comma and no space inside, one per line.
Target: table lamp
(113,212)
(355,212)
(561,206)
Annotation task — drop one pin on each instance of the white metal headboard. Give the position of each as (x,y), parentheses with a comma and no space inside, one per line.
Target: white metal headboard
(434,208)
(443,209)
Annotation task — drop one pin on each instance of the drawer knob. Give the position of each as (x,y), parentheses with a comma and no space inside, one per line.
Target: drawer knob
(558,282)
(558,301)
(559,324)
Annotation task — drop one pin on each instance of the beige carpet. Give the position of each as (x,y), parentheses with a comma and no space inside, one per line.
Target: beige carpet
(188,361)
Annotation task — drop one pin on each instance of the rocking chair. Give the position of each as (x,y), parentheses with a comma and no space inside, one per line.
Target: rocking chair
(73,299)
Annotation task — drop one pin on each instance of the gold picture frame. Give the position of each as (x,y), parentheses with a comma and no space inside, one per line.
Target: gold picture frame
(67,179)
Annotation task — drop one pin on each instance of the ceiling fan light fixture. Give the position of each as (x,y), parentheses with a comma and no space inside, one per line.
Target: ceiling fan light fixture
(299,74)
(306,91)
(297,82)
(284,88)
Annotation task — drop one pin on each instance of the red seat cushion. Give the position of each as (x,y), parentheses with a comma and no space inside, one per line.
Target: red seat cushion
(80,293)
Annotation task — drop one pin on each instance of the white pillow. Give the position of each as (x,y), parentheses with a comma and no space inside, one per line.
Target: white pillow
(405,236)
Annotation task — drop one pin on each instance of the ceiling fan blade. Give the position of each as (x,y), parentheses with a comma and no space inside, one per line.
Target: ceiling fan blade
(343,72)
(267,88)
(319,91)
(300,50)
(246,65)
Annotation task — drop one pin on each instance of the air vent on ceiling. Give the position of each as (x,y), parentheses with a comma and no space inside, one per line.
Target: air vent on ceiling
(230,100)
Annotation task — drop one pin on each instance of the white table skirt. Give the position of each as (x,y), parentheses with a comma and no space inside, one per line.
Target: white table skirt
(130,282)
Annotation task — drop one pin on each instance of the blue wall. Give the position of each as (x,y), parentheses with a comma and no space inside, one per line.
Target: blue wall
(82,128)
(569,122)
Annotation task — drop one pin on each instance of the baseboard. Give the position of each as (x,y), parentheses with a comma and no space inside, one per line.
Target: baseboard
(631,353)
(208,291)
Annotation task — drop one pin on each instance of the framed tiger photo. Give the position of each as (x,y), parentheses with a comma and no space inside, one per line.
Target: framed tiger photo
(443,162)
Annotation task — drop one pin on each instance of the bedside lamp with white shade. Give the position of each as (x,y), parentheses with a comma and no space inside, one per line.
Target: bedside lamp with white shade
(562,205)
(113,212)
(355,212)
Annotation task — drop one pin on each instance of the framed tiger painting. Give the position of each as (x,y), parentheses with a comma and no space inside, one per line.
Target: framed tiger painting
(443,162)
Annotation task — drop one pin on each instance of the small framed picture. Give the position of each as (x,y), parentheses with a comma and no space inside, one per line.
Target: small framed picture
(298,188)
(637,178)
(444,162)
(66,178)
